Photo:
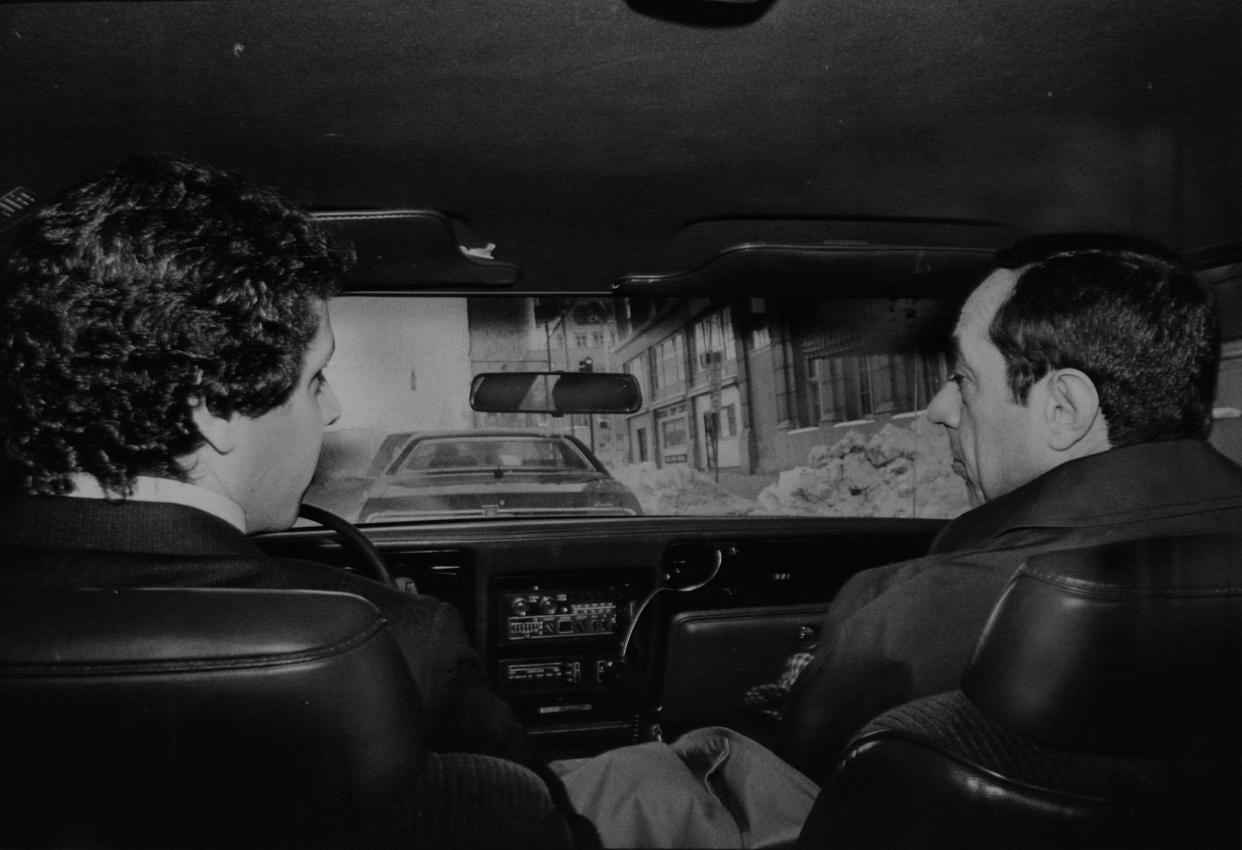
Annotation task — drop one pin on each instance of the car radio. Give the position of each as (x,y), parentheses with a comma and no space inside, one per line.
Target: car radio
(535,614)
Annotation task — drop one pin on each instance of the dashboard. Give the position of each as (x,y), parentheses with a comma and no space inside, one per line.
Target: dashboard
(605,632)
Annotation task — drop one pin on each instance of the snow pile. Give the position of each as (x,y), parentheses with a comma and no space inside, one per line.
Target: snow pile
(897,472)
(679,491)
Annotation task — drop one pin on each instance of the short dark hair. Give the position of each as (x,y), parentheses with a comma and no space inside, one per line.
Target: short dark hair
(132,296)
(1129,313)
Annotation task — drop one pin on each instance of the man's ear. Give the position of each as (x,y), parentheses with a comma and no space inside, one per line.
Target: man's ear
(220,433)
(1072,408)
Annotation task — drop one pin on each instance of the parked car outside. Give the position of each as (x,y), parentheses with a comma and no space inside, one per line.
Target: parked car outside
(490,473)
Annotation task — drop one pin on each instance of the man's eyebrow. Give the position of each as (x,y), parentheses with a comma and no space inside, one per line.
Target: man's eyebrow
(957,359)
(953,351)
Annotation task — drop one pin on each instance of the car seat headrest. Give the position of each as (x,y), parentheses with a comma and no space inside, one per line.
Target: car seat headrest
(1129,648)
(204,716)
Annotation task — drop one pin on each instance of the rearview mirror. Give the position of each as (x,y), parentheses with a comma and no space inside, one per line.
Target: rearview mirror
(555,392)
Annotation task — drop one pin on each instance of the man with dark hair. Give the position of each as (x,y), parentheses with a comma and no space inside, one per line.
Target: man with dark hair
(163,335)
(1078,412)
(1129,314)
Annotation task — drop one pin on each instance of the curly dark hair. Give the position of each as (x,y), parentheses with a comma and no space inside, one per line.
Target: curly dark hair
(1126,311)
(133,296)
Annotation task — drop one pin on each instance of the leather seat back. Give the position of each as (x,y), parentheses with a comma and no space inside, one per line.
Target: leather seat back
(1124,649)
(1101,709)
(203,717)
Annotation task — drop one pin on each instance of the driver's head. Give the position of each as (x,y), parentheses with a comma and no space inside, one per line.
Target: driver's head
(1076,344)
(169,319)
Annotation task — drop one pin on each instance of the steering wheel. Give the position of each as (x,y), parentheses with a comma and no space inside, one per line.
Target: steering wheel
(352,539)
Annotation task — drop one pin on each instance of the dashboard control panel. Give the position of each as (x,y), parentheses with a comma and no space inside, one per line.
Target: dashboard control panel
(556,641)
(537,614)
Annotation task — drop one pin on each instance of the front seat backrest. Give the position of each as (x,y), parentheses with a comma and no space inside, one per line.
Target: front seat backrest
(1102,708)
(203,717)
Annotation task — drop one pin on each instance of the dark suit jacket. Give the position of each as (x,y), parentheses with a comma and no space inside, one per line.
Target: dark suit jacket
(908,630)
(48,541)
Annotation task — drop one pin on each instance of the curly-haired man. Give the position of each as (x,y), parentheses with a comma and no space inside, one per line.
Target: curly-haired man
(168,324)
(163,335)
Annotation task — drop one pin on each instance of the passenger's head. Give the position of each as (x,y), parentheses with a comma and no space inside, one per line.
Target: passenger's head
(1076,344)
(169,319)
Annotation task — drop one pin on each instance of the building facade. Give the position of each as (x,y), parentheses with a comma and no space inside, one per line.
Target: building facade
(752,384)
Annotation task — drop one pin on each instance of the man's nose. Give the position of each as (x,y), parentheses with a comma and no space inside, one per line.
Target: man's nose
(945,406)
(329,405)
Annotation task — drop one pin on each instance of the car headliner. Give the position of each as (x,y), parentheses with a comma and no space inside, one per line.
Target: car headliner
(590,139)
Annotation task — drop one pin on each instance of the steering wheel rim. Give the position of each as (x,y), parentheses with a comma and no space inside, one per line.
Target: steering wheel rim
(351,538)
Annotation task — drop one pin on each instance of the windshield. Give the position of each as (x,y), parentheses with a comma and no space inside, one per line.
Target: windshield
(753,406)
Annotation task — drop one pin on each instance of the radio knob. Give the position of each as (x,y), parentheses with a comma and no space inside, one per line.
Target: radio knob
(546,606)
(519,607)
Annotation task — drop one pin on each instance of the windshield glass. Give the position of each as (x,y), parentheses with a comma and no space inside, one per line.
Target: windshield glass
(804,407)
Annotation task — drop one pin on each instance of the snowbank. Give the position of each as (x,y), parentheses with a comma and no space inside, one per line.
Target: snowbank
(680,490)
(900,471)
(897,472)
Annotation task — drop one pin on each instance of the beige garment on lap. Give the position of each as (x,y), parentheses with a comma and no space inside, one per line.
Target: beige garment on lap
(710,788)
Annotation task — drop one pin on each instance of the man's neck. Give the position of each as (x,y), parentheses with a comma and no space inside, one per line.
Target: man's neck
(151,489)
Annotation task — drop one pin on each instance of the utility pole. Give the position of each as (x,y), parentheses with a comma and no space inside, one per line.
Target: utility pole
(586,364)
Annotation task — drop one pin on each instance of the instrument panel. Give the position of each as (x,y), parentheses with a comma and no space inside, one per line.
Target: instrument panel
(558,613)
(557,644)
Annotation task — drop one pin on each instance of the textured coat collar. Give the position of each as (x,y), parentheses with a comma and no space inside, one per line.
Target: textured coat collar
(157,528)
(1124,485)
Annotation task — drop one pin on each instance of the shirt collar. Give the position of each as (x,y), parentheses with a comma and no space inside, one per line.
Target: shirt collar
(151,489)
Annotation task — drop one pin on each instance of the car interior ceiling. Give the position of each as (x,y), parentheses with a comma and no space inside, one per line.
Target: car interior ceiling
(653,148)
(591,146)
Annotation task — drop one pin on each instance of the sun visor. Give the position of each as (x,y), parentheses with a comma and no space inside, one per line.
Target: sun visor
(400,250)
(838,270)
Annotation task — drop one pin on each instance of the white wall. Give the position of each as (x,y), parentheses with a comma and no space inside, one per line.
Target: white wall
(380,343)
